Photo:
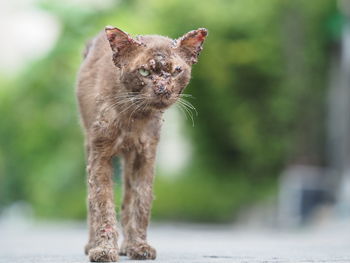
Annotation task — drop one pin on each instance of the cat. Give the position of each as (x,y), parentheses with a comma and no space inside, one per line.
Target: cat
(123,87)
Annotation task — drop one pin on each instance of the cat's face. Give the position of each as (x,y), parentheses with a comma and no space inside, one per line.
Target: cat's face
(156,75)
(155,69)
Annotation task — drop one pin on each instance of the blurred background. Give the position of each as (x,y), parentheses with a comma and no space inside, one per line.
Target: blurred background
(270,144)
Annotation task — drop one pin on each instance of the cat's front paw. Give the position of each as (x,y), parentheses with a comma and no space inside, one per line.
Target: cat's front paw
(103,254)
(87,247)
(140,251)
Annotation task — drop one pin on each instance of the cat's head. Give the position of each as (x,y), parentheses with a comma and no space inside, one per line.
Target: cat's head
(155,69)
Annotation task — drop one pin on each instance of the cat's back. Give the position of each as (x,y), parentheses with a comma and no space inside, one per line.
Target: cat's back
(96,74)
(97,58)
(97,48)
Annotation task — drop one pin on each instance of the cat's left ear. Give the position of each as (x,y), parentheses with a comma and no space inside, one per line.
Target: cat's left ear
(191,44)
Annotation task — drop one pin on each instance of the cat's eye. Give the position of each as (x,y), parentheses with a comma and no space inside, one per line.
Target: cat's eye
(144,72)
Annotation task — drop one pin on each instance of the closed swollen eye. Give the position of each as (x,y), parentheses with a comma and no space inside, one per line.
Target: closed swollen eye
(177,70)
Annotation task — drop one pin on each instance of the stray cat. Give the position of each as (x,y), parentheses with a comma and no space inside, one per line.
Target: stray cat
(123,87)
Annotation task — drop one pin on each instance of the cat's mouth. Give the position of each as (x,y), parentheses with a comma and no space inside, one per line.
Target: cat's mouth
(162,102)
(159,105)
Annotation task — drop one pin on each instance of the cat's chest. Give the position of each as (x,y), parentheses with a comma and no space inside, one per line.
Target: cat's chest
(128,139)
(138,135)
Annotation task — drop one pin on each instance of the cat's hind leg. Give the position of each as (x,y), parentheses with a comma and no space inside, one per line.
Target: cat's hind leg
(91,213)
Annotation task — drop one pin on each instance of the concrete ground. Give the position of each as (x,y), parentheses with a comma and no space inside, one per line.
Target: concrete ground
(53,243)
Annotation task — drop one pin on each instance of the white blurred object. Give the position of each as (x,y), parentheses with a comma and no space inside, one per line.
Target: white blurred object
(303,191)
(94,4)
(27,33)
(343,207)
(338,115)
(174,149)
(19,214)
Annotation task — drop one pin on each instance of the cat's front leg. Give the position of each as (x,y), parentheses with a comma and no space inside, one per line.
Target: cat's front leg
(92,232)
(137,202)
(101,205)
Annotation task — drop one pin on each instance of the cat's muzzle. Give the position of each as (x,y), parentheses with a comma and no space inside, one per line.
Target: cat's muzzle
(160,90)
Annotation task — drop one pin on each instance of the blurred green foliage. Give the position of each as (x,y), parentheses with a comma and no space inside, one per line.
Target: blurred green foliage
(259,89)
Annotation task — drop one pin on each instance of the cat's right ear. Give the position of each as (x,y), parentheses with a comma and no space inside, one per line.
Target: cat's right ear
(120,42)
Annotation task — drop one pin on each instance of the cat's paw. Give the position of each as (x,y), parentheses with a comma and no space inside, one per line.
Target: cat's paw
(87,247)
(103,254)
(140,251)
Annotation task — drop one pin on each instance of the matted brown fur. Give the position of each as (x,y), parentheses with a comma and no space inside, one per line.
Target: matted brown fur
(123,87)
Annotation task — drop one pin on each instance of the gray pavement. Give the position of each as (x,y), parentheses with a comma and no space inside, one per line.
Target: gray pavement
(51,243)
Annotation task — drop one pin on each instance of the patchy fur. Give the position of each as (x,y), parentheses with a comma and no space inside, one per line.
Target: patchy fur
(123,87)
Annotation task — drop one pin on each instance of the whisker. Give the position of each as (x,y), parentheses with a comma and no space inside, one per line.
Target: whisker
(189,104)
(119,103)
(131,105)
(137,106)
(187,95)
(190,114)
(182,110)
(188,110)
(125,99)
